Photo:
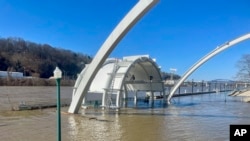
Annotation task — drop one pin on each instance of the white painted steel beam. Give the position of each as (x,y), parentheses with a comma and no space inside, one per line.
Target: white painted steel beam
(205,59)
(114,38)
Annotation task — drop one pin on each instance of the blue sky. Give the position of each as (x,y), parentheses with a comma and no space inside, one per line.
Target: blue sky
(176,33)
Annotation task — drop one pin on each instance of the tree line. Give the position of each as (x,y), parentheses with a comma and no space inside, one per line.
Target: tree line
(39,60)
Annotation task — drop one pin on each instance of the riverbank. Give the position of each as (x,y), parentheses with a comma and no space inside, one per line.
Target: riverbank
(12,96)
(245,94)
(198,93)
(34,81)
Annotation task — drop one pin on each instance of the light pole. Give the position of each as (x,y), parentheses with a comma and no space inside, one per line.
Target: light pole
(172,70)
(58,76)
(202,85)
(192,85)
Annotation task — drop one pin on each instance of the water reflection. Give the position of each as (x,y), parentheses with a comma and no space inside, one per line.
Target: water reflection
(73,127)
(95,127)
(200,117)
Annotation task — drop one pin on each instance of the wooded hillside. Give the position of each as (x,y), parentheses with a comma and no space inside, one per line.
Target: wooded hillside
(39,60)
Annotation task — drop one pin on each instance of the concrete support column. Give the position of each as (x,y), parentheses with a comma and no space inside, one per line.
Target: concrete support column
(118,99)
(135,98)
(104,97)
(164,96)
(84,100)
(152,98)
(164,93)
(125,96)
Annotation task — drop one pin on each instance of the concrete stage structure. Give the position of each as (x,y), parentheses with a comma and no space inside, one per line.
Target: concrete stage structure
(131,74)
(114,38)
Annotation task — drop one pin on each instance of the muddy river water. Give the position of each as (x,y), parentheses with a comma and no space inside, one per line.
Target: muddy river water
(197,118)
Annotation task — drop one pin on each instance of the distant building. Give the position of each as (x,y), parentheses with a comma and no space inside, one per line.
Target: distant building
(5,74)
(169,82)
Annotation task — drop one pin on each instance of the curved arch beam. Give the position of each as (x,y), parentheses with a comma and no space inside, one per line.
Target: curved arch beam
(114,38)
(204,59)
(137,61)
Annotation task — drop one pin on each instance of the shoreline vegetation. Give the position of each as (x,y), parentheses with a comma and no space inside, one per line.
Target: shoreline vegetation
(34,82)
(39,60)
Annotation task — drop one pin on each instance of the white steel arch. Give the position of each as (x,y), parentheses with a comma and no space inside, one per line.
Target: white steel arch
(157,82)
(113,39)
(204,59)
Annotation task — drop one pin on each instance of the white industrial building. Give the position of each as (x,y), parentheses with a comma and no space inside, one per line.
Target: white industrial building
(118,77)
(5,74)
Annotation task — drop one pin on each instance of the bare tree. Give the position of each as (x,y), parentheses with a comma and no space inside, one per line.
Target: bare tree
(244,68)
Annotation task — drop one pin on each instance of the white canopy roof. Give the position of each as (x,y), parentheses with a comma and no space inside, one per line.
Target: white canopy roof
(139,73)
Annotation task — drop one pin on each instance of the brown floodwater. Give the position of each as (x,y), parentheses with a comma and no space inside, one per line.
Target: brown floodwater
(198,118)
